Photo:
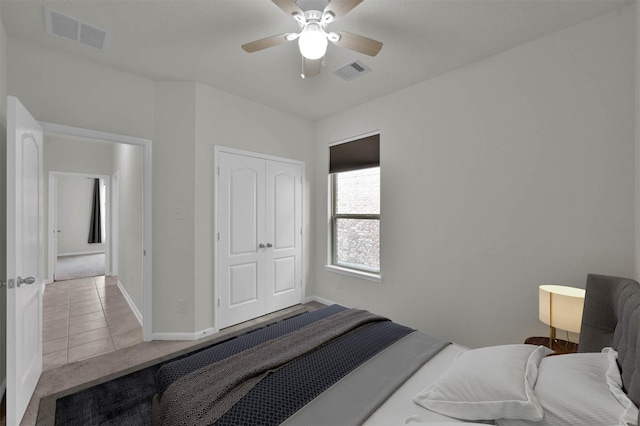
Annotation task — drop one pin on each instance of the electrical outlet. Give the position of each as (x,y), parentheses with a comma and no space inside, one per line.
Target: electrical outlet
(182,306)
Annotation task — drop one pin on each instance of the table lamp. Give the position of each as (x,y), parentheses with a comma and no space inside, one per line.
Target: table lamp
(561,307)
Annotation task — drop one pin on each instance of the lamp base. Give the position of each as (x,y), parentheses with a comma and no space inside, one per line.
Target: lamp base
(558,345)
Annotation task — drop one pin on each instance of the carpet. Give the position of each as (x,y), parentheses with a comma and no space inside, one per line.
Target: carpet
(123,401)
(80,266)
(123,398)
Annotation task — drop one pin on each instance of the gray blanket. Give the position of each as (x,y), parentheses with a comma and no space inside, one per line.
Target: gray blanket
(369,386)
(203,396)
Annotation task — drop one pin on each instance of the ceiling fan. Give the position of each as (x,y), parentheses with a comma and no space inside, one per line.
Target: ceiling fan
(313,38)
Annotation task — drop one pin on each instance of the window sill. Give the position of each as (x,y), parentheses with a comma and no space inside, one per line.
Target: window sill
(353,273)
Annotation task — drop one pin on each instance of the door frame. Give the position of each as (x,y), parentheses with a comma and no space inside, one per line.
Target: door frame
(147,318)
(217,149)
(53,220)
(115,221)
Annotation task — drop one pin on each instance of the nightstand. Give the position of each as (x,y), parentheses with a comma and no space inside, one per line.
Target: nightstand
(559,346)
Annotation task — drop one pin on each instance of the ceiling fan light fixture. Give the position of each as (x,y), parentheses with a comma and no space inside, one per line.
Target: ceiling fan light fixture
(313,42)
(312,17)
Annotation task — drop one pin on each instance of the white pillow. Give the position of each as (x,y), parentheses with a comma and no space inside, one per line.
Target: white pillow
(581,389)
(488,383)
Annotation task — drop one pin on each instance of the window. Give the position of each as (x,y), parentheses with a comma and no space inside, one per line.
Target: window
(355,205)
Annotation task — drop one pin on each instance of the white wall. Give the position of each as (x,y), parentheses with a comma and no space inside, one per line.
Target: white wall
(127,161)
(75,205)
(62,89)
(227,120)
(510,173)
(190,119)
(3,197)
(173,187)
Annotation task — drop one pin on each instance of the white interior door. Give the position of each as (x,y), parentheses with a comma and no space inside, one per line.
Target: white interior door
(284,235)
(242,244)
(24,258)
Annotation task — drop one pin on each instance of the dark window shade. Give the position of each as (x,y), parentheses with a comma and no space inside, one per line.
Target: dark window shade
(358,154)
(95,227)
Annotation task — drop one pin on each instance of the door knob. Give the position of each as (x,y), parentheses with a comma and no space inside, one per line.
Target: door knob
(269,245)
(28,280)
(261,245)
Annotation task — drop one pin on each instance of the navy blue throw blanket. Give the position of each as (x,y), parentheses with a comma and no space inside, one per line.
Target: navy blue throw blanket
(173,371)
(281,394)
(286,390)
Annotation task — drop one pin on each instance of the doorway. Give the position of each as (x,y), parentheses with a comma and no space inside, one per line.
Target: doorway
(143,248)
(80,223)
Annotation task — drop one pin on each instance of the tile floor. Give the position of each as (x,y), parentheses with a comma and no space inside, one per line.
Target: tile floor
(83,318)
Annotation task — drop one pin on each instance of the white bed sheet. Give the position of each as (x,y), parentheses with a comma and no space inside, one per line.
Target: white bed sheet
(399,408)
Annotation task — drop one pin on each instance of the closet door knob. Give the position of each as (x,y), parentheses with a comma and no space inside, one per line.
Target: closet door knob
(261,245)
(269,245)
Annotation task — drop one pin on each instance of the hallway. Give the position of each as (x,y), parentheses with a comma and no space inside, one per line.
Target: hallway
(83,318)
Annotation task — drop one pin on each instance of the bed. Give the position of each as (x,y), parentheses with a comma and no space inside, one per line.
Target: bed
(340,366)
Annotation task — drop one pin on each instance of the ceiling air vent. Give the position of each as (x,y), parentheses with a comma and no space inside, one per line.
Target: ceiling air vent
(353,70)
(72,29)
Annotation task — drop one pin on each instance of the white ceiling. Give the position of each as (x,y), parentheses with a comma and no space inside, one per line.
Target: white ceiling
(199,40)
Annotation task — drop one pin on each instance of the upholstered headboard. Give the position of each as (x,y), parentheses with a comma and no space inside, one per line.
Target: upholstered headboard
(612,318)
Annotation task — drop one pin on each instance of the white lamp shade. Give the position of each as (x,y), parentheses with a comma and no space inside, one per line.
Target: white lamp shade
(561,307)
(313,43)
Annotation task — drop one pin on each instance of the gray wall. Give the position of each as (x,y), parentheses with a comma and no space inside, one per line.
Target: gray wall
(510,173)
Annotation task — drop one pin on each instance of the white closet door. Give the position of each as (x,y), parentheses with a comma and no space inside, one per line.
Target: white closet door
(241,224)
(284,235)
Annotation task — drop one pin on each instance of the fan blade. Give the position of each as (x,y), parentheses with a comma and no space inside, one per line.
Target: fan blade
(289,6)
(339,8)
(265,43)
(311,68)
(358,43)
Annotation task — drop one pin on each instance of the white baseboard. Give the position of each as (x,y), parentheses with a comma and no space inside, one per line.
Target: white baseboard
(321,300)
(209,331)
(184,336)
(81,253)
(132,305)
